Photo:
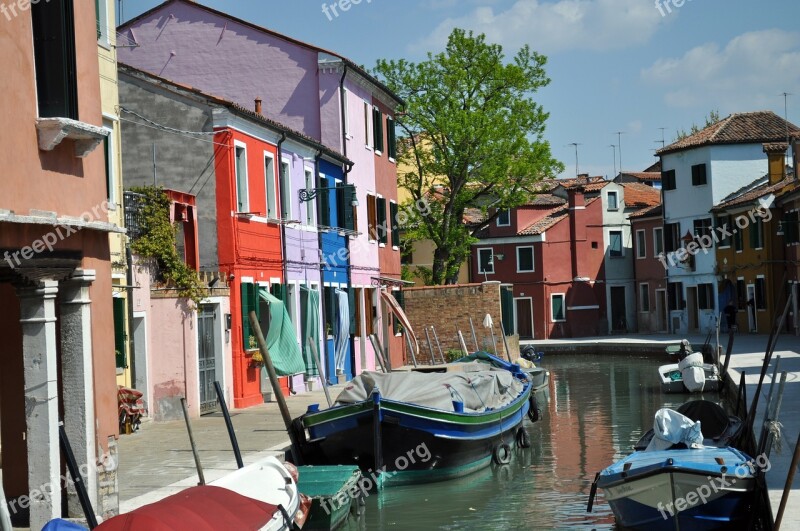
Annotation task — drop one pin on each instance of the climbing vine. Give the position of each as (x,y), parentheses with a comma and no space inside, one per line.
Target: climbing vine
(156,241)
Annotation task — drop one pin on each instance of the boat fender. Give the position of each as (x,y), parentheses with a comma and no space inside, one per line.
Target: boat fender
(502,454)
(533,410)
(523,439)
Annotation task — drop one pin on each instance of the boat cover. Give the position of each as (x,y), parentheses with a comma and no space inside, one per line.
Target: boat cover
(694,376)
(479,391)
(671,428)
(204,508)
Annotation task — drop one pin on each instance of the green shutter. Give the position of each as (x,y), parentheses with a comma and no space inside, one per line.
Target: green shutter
(391,137)
(351,301)
(382,227)
(395,226)
(755,234)
(324,207)
(558,308)
(507,310)
(377,129)
(278,291)
(249,303)
(346,208)
(120,338)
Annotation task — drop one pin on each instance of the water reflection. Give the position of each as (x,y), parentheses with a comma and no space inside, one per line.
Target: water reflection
(598,408)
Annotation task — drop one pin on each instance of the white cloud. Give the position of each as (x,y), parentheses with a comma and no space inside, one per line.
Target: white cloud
(555,26)
(748,73)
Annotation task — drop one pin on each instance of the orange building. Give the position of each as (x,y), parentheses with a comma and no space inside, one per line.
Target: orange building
(57,362)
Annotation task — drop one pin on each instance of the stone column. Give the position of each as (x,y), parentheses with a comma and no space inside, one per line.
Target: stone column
(38,320)
(76,374)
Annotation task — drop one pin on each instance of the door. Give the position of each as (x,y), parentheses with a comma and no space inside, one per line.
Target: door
(140,356)
(206,346)
(618,320)
(752,321)
(661,310)
(691,307)
(523,307)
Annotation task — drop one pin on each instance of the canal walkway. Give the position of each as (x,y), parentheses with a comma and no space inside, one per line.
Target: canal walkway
(747,357)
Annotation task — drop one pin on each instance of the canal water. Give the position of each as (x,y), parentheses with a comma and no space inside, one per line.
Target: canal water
(598,407)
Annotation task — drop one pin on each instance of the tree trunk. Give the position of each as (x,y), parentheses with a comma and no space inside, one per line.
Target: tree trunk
(441,258)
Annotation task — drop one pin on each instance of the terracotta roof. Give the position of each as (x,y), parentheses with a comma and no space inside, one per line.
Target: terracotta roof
(590,184)
(738,128)
(545,200)
(473,216)
(640,195)
(753,191)
(647,212)
(655,167)
(648,176)
(775,147)
(553,217)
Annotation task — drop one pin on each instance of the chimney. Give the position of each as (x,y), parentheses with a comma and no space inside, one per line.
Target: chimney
(776,155)
(258,105)
(577,224)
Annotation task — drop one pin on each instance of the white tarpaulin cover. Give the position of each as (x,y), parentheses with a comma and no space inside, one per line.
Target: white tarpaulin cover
(671,427)
(694,377)
(477,390)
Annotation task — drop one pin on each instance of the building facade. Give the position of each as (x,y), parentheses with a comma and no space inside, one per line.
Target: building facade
(648,255)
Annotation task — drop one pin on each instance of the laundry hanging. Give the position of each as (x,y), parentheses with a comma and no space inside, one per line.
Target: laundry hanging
(342,329)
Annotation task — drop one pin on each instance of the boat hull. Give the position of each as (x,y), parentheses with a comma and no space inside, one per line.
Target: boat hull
(418,444)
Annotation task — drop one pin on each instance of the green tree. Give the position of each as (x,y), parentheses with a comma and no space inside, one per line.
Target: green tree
(471,125)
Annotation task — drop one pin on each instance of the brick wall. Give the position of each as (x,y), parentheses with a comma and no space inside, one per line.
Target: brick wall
(448,309)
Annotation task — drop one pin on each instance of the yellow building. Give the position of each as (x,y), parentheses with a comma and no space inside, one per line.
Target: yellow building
(419,254)
(109,97)
(751,261)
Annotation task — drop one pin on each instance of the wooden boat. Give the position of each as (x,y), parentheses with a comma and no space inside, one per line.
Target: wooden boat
(412,427)
(262,496)
(697,483)
(691,374)
(334,493)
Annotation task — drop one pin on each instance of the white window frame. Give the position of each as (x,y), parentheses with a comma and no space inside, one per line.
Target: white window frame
(646,286)
(286,210)
(270,187)
(102,19)
(367,125)
(491,260)
(641,250)
(311,206)
(608,201)
(497,221)
(345,94)
(563,306)
(246,203)
(533,261)
(658,236)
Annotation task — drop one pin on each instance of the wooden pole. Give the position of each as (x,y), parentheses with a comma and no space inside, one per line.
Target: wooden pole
(74,471)
(228,424)
(438,345)
(788,487)
(505,341)
(200,477)
(430,347)
(474,336)
(463,343)
(378,354)
(322,378)
(276,386)
(411,349)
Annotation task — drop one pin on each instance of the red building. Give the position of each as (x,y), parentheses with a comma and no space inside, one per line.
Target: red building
(648,262)
(549,253)
(249,243)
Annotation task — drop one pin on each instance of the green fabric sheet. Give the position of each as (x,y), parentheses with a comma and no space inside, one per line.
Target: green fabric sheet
(281,340)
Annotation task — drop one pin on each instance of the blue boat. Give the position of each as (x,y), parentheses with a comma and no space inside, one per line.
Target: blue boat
(682,480)
(411,427)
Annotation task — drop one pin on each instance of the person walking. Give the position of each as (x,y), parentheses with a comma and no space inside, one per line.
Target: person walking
(730,316)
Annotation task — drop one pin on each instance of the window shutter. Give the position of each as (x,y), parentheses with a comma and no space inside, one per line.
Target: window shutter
(395,226)
(346,209)
(278,291)
(351,301)
(698,174)
(54,58)
(507,310)
(753,230)
(383,229)
(377,129)
(120,338)
(371,217)
(324,208)
(249,292)
(391,139)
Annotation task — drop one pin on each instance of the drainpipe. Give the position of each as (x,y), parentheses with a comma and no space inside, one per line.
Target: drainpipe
(129,291)
(283,220)
(324,350)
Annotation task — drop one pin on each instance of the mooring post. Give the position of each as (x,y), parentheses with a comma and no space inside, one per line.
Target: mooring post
(228,424)
(313,348)
(201,480)
(74,471)
(377,435)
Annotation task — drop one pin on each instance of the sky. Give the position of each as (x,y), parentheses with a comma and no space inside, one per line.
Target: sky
(634,66)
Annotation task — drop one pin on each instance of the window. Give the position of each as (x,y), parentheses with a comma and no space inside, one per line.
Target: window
(525,260)
(668,180)
(367,125)
(324,203)
(331,303)
(741,292)
(101,10)
(756,230)
(242,200)
(485,260)
(738,239)
(109,149)
(369,312)
(269,186)
(395,225)
(504,218)
(249,294)
(791,227)
(345,94)
(120,338)
(344,206)
(311,210)
(383,229)
(557,310)
(672,237)
(613,200)
(615,243)
(285,185)
(724,228)
(54,59)
(372,218)
(702,232)
(391,137)
(699,175)
(761,293)
(705,296)
(644,297)
(641,244)
(658,241)
(377,131)
(675,295)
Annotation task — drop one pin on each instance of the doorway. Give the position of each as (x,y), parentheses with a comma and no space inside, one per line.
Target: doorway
(691,308)
(523,311)
(618,320)
(142,382)
(661,310)
(752,319)
(207,357)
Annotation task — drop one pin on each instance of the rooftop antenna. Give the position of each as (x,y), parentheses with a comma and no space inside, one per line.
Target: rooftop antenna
(663,141)
(786,118)
(619,145)
(614,152)
(577,171)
